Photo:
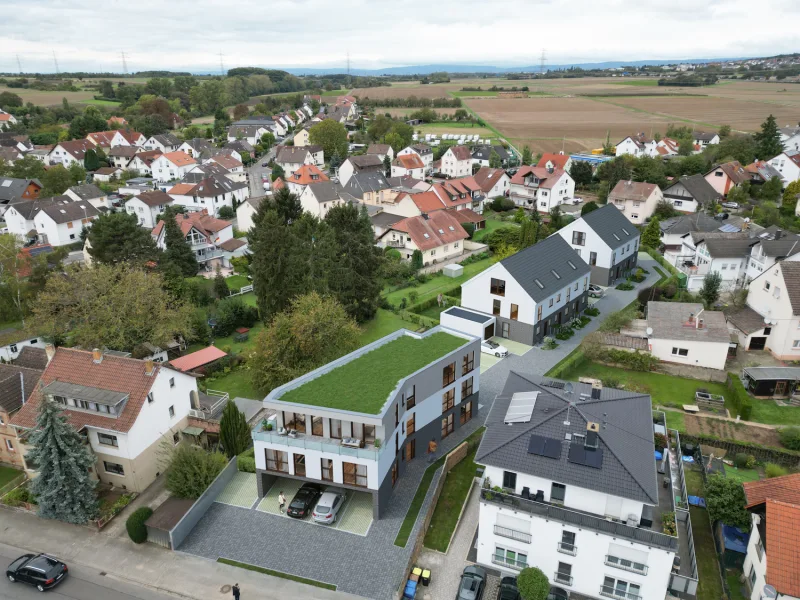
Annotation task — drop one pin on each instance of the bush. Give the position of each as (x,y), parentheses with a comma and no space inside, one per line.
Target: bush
(502,204)
(226,212)
(533,584)
(573,361)
(192,470)
(790,437)
(741,460)
(245,463)
(549,343)
(773,470)
(741,399)
(19,496)
(592,311)
(660,441)
(564,333)
(135,524)
(625,286)
(649,294)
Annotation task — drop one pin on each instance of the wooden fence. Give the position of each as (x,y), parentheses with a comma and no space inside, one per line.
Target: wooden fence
(786,458)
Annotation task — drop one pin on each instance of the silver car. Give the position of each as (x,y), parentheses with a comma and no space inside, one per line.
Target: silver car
(328,506)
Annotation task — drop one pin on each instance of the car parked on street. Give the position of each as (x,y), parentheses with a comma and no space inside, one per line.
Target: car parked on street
(577,200)
(473,583)
(733,205)
(595,291)
(303,500)
(490,347)
(328,506)
(39,570)
(508,589)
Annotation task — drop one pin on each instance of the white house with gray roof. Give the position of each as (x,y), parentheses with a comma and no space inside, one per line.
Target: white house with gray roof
(691,193)
(685,333)
(531,293)
(319,198)
(166,142)
(726,253)
(606,241)
(61,223)
(575,490)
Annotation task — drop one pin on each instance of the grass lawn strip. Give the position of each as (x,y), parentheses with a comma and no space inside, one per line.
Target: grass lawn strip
(236,282)
(710,584)
(491,225)
(241,565)
(450,502)
(437,284)
(364,384)
(384,323)
(7,474)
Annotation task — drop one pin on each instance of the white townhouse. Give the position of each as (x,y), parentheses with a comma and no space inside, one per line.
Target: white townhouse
(68,153)
(363,163)
(61,223)
(280,127)
(128,409)
(573,488)
(116,137)
(210,239)
(250,133)
(790,138)
(716,252)
(381,151)
(788,165)
(232,167)
(165,142)
(637,145)
(606,241)
(121,156)
(171,166)
(19,217)
(424,151)
(90,193)
(319,198)
(457,162)
(704,139)
(675,229)
(209,193)
(198,148)
(690,193)
(493,182)
(334,427)
(438,236)
(531,293)
(142,162)
(291,158)
(686,334)
(147,206)
(772,550)
(408,165)
(541,189)
(637,200)
(772,244)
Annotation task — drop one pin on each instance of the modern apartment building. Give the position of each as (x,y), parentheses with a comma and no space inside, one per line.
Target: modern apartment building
(574,489)
(357,422)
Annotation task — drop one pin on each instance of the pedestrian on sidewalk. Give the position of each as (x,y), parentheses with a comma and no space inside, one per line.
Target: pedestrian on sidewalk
(236,592)
(281,501)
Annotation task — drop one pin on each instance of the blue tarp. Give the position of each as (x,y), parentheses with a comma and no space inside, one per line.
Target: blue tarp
(687,459)
(658,455)
(697,501)
(734,539)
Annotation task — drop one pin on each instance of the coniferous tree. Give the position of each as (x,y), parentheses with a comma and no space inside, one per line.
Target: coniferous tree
(233,431)
(768,140)
(287,205)
(117,237)
(63,489)
(178,251)
(651,236)
(220,286)
(90,160)
(387,166)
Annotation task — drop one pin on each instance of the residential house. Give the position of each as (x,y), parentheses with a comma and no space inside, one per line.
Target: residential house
(494,182)
(691,193)
(537,188)
(211,239)
(319,198)
(460,194)
(675,229)
(771,245)
(302,177)
(606,241)
(8,156)
(358,164)
(128,410)
(636,200)
(16,383)
(668,147)
(165,142)
(340,114)
(198,148)
(279,126)
(6,120)
(727,176)
(239,149)
(457,162)
(19,217)
(142,162)
(249,133)
(106,174)
(147,206)
(481,155)
(118,121)
(408,165)
(13,342)
(89,193)
(637,145)
(68,153)
(16,141)
(382,221)
(172,166)
(531,293)
(381,151)
(301,138)
(716,252)
(704,139)
(576,493)
(686,334)
(761,171)
(246,211)
(14,190)
(333,426)
(60,224)
(788,166)
(209,194)
(234,169)
(790,138)
(291,158)
(121,156)
(438,236)
(551,162)
(115,137)
(424,151)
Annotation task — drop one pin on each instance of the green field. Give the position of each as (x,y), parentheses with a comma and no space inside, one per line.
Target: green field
(491,93)
(102,102)
(637,82)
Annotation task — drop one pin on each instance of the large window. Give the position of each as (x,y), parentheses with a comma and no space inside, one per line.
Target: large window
(354,474)
(564,574)
(496,306)
(616,588)
(626,564)
(498,287)
(335,429)
(578,238)
(113,468)
(509,480)
(592,258)
(412,398)
(466,412)
(448,400)
(466,388)
(411,450)
(294,421)
(468,363)
(514,312)
(557,493)
(316,426)
(107,440)
(327,469)
(567,543)
(448,374)
(277,460)
(369,434)
(448,425)
(300,465)
(510,558)
(411,424)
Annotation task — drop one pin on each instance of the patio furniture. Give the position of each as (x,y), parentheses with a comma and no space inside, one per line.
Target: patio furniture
(242,334)
(282,431)
(352,442)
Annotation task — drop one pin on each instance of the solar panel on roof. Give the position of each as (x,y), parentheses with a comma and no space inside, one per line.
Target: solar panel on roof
(582,456)
(729,229)
(559,385)
(544,446)
(520,408)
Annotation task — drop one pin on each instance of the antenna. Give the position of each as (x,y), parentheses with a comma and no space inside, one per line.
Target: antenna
(55,60)
(221,66)
(124,63)
(19,64)
(542,60)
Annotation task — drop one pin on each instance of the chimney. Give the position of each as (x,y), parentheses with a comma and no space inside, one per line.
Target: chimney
(97,356)
(50,351)
(778,234)
(700,323)
(590,441)
(149,367)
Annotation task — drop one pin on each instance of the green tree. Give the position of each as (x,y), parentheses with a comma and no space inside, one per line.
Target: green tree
(770,191)
(240,111)
(740,194)
(608,147)
(725,501)
(462,114)
(650,170)
(55,181)
(494,160)
(234,433)
(118,237)
(589,207)
(90,121)
(395,140)
(416,260)
(221,290)
(790,195)
(387,166)
(404,132)
(724,131)
(581,172)
(278,172)
(556,219)
(332,136)
(64,489)
(178,253)
(106,89)
(267,141)
(312,332)
(90,160)
(287,205)
(651,236)
(734,147)
(614,171)
(191,470)
(712,283)
(533,584)
(77,173)
(379,128)
(768,140)
(665,210)
(766,214)
(527,156)
(10,100)
(135,526)
(27,168)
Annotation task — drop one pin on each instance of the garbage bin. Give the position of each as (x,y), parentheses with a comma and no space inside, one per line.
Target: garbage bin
(425,579)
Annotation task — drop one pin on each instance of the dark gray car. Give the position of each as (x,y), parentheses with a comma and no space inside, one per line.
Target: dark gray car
(473,582)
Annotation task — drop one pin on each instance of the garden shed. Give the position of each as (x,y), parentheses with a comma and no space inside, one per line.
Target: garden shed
(769,382)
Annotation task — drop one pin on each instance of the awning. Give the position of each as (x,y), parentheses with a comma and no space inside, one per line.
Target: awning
(193,431)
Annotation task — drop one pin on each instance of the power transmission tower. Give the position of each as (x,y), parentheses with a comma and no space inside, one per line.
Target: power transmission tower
(19,64)
(55,60)
(124,63)
(221,66)
(349,81)
(542,61)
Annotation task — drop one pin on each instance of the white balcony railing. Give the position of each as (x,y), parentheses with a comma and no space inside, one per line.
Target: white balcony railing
(611,592)
(566,548)
(512,534)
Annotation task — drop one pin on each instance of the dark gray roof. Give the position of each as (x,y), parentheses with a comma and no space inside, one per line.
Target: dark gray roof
(325,191)
(611,226)
(200,145)
(706,137)
(773,373)
(366,181)
(154,198)
(31,357)
(366,161)
(384,219)
(167,139)
(485,152)
(670,321)
(689,223)
(537,263)
(628,468)
(292,154)
(240,146)
(697,186)
(463,313)
(11,189)
(786,245)
(13,389)
(727,247)
(29,208)
(791,277)
(87,191)
(746,320)
(64,212)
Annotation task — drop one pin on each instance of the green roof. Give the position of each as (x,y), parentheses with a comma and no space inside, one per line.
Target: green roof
(364,384)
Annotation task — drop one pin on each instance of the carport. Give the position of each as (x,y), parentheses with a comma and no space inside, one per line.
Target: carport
(468,321)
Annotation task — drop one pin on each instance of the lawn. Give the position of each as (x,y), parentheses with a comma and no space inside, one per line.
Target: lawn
(7,474)
(101,102)
(364,384)
(236,282)
(384,323)
(766,411)
(675,420)
(433,312)
(241,565)
(450,502)
(438,283)
(237,383)
(710,584)
(734,585)
(694,481)
(741,475)
(491,225)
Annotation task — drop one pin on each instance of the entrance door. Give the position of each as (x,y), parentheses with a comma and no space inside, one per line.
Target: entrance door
(558,319)
(505,330)
(545,328)
(488,332)
(780,388)
(757,343)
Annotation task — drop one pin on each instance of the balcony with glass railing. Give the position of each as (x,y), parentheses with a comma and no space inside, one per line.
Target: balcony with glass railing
(502,560)
(316,442)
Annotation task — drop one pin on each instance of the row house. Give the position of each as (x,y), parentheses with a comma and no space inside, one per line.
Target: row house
(691,193)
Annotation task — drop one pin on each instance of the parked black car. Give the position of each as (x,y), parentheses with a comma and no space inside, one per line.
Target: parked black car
(39,570)
(304,500)
(473,582)
(508,589)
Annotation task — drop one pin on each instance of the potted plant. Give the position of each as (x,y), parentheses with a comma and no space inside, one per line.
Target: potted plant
(377,444)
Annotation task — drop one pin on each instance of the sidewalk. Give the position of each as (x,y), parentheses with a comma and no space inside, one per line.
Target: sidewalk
(147,565)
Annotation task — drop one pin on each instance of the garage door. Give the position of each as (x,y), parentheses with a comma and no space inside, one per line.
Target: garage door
(488,332)
(757,343)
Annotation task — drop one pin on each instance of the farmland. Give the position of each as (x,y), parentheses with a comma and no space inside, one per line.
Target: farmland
(43,98)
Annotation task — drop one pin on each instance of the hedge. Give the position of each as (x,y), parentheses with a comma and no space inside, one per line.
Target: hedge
(246,461)
(740,398)
(661,260)
(572,361)
(135,524)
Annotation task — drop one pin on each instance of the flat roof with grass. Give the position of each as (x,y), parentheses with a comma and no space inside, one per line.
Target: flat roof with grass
(363,384)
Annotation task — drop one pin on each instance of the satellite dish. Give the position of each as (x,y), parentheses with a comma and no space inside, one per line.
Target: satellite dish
(649,331)
(769,592)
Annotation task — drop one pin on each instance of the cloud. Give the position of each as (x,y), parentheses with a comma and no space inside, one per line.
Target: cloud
(189,35)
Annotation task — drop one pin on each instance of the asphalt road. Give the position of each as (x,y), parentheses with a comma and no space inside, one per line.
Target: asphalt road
(81,584)
(256,172)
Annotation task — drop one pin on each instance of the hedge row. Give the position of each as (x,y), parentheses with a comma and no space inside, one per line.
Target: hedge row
(763,453)
(661,260)
(740,398)
(573,360)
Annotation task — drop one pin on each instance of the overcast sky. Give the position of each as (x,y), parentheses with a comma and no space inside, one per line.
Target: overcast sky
(189,35)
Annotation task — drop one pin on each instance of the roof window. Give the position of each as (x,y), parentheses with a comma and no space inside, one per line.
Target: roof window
(539,283)
(557,276)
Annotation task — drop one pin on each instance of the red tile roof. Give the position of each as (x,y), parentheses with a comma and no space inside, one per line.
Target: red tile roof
(200,220)
(467,215)
(461,152)
(197,359)
(638,191)
(783,552)
(181,189)
(77,148)
(785,489)
(409,161)
(278,184)
(426,202)
(116,374)
(305,175)
(179,159)
(559,160)
(547,179)
(487,177)
(440,228)
(229,162)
